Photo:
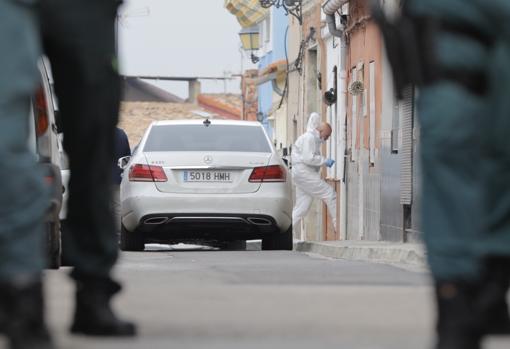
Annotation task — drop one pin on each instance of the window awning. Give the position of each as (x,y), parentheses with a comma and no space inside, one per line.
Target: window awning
(248,12)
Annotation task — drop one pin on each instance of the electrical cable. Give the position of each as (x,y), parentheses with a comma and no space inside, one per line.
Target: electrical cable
(285,89)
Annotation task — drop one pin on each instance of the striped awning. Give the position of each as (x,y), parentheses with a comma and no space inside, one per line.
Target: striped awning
(248,12)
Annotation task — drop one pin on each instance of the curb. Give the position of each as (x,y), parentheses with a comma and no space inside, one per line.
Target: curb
(377,252)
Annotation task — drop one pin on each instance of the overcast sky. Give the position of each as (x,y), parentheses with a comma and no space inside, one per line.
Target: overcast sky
(179,38)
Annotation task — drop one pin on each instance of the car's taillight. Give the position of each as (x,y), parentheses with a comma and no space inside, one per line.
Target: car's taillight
(147,173)
(49,180)
(41,112)
(274,173)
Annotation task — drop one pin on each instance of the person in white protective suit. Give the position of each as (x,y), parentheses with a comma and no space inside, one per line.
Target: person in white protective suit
(306,164)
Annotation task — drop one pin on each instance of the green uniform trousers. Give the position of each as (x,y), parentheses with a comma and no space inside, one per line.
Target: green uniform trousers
(465,137)
(79,40)
(24,197)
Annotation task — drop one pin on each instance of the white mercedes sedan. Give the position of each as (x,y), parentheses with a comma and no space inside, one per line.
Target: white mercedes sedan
(211,182)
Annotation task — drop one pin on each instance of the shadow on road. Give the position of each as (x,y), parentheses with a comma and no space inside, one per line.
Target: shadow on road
(154,248)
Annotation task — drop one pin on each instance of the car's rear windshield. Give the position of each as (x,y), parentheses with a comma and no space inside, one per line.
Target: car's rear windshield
(213,138)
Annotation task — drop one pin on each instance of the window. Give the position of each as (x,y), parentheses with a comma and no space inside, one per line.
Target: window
(354,120)
(363,96)
(265,34)
(312,88)
(403,108)
(267,28)
(213,138)
(372,112)
(407,146)
(395,127)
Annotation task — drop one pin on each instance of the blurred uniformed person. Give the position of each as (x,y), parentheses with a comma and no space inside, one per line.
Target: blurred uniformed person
(24,198)
(79,40)
(78,37)
(458,53)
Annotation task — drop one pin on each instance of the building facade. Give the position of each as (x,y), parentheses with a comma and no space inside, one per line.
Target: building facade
(334,63)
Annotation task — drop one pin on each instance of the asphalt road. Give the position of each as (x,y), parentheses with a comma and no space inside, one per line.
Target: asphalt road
(193,298)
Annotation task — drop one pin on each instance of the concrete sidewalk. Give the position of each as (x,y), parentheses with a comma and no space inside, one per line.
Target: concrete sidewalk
(403,254)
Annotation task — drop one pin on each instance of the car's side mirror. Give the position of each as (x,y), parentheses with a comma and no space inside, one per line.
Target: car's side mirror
(123,162)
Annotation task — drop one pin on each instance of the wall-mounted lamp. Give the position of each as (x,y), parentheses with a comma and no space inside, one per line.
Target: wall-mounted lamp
(250,41)
(292,7)
(330,96)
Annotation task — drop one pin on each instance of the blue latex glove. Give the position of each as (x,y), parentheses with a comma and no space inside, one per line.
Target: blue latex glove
(329,162)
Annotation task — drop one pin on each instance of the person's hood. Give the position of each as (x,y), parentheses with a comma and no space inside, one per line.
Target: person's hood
(314,122)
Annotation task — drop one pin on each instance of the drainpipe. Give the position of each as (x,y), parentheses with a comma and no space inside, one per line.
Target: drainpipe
(330,9)
(342,107)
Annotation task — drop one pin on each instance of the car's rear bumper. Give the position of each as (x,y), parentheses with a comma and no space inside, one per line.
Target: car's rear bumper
(192,227)
(248,215)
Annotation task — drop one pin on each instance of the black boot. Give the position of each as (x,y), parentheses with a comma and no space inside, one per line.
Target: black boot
(93,313)
(492,300)
(458,325)
(22,319)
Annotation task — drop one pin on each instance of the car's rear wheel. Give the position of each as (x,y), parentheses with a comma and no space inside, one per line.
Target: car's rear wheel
(64,236)
(131,241)
(281,241)
(53,244)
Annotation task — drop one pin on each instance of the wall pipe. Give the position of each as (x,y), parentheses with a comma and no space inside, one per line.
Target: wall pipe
(330,9)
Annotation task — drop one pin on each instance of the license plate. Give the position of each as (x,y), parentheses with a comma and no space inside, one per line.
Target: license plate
(207,176)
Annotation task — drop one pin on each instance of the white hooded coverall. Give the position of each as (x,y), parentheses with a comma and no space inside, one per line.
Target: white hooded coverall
(306,164)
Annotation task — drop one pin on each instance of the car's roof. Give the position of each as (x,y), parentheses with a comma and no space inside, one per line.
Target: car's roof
(201,121)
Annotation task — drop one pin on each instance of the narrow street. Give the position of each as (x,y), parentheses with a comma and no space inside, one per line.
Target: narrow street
(347,160)
(256,299)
